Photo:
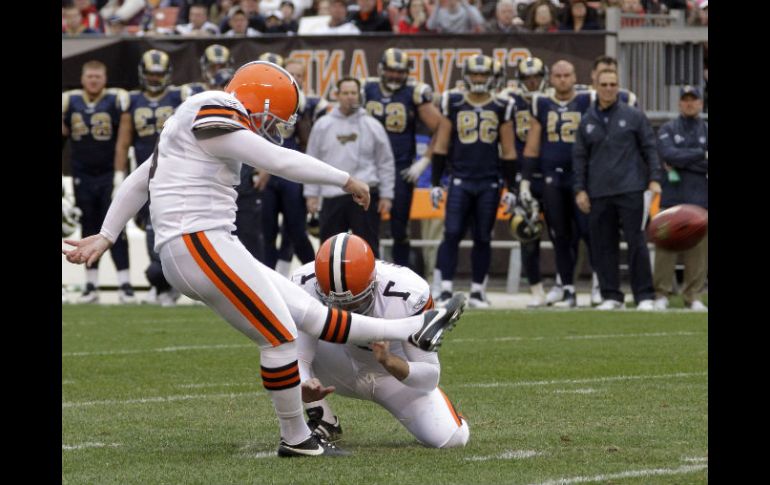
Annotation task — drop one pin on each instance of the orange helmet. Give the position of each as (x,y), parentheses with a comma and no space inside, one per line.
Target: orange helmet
(345,276)
(269,93)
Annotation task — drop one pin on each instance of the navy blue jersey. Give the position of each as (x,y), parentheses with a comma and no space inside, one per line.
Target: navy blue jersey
(559,121)
(311,106)
(521,118)
(192,88)
(93,128)
(397,112)
(148,114)
(474,152)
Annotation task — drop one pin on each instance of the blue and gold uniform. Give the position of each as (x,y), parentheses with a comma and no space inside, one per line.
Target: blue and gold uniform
(148,114)
(522,119)
(93,130)
(397,111)
(559,121)
(474,184)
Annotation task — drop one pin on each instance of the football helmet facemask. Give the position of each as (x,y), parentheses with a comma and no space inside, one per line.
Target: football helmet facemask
(156,63)
(393,68)
(527,71)
(526,225)
(270,95)
(479,64)
(214,58)
(345,273)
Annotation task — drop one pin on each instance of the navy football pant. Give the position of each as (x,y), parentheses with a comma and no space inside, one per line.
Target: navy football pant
(285,196)
(530,251)
(93,195)
(341,213)
(399,219)
(467,200)
(565,224)
(248,224)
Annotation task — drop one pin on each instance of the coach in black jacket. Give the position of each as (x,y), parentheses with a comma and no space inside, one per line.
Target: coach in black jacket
(614,160)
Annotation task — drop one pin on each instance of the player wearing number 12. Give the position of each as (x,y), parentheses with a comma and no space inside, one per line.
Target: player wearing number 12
(555,119)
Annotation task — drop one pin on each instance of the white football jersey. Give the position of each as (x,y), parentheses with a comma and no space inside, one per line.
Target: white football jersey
(191,190)
(399,293)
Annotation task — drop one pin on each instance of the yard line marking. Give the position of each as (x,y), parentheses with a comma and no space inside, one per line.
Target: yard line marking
(214,384)
(89,445)
(575,391)
(581,337)
(507,455)
(162,349)
(628,474)
(263,454)
(582,381)
(146,400)
(696,459)
(497,339)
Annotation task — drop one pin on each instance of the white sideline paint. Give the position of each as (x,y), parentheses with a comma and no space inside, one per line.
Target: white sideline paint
(696,459)
(146,400)
(507,455)
(498,339)
(629,474)
(161,399)
(583,381)
(162,349)
(263,454)
(580,337)
(214,384)
(575,391)
(89,445)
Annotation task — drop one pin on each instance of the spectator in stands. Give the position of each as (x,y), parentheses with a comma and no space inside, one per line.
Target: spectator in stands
(699,15)
(199,23)
(274,23)
(368,19)
(615,160)
(184,8)
(579,16)
(290,23)
(506,21)
(256,20)
(349,138)
(663,6)
(632,7)
(124,12)
(455,16)
(415,18)
(683,148)
(338,23)
(73,23)
(239,24)
(90,14)
(542,17)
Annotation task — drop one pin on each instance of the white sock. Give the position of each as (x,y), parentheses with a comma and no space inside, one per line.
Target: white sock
(569,288)
(287,402)
(595,281)
(477,287)
(123,277)
(537,289)
(92,276)
(446,285)
(283,267)
(558,279)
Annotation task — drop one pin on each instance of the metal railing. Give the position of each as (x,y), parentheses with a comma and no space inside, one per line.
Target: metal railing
(655,62)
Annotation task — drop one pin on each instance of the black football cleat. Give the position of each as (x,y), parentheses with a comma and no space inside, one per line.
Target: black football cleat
(313,446)
(436,322)
(328,431)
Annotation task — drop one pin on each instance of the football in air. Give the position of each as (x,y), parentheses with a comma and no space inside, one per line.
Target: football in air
(679,228)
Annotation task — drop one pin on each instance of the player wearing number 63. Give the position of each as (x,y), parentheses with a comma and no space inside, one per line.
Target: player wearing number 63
(401,378)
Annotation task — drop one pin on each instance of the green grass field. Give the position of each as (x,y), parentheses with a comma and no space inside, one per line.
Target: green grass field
(173,396)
